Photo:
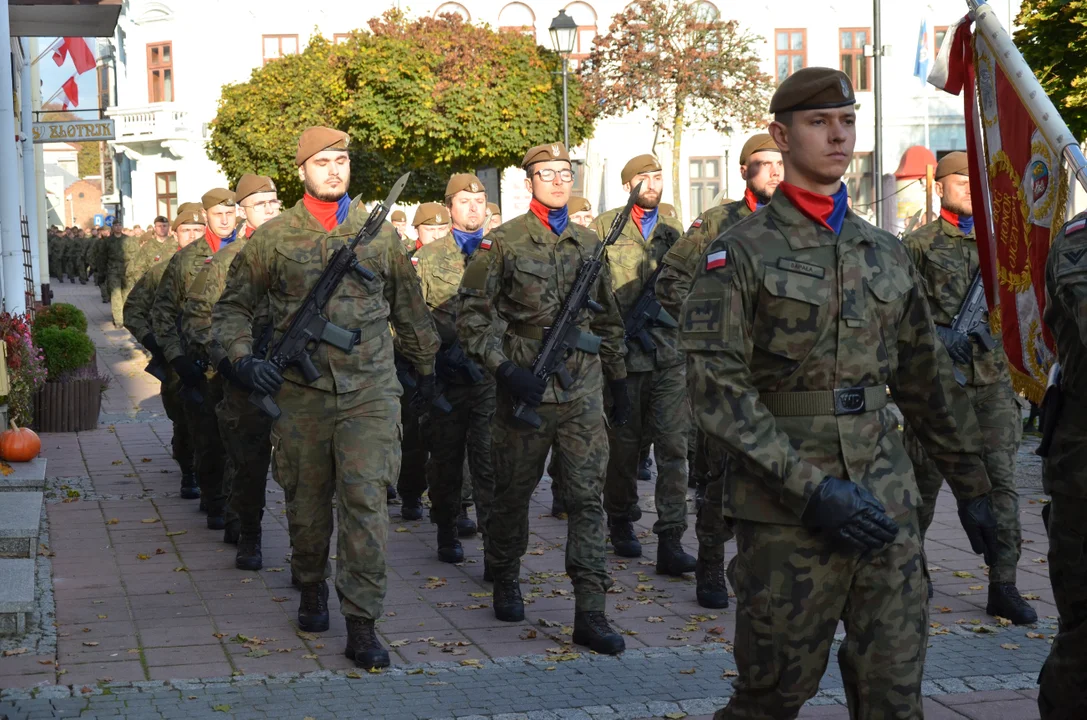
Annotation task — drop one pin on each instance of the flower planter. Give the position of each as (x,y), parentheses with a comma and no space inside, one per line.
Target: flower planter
(68,406)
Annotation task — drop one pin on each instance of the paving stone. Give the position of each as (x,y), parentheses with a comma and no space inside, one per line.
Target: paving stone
(17,588)
(25,476)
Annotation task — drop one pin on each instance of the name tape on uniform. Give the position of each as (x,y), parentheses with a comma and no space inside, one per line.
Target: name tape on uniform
(716,260)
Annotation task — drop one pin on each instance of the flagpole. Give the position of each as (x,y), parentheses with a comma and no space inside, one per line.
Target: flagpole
(46,51)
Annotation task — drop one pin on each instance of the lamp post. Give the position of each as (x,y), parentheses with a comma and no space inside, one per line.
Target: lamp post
(563,31)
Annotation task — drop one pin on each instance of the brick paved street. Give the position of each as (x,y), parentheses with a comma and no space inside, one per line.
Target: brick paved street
(148,617)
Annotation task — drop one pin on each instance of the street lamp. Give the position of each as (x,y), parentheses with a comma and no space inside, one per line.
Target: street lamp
(563,31)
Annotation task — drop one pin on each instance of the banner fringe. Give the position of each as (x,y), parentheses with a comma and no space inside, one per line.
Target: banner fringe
(1027,385)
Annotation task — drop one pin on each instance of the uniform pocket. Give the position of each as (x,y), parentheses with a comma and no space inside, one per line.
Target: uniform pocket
(791,314)
(946,279)
(530,281)
(297,270)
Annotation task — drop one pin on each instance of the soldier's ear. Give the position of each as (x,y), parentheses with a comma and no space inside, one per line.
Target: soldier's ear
(939,189)
(302,173)
(780,132)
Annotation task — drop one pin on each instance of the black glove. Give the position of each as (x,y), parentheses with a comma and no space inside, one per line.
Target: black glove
(521,383)
(619,415)
(258,374)
(190,373)
(957,344)
(152,346)
(976,516)
(426,389)
(226,371)
(849,515)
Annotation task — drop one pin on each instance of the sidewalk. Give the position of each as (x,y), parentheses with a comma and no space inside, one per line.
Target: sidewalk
(149,618)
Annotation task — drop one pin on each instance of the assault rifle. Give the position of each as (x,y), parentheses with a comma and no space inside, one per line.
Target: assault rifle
(1052,403)
(647,311)
(405,375)
(564,336)
(309,327)
(971,319)
(452,363)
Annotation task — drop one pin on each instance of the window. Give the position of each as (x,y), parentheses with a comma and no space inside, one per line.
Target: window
(276,46)
(792,51)
(938,39)
(160,72)
(851,42)
(103,86)
(517,17)
(705,183)
(858,179)
(341,38)
(578,188)
(452,8)
(166,195)
(585,17)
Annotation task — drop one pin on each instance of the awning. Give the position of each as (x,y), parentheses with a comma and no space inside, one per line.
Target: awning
(59,18)
(913,163)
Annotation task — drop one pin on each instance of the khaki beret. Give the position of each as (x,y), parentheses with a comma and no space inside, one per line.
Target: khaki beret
(639,165)
(315,139)
(579,204)
(813,88)
(757,143)
(217,196)
(955,163)
(398,216)
(666,210)
(431,213)
(189,214)
(463,181)
(493,209)
(545,153)
(251,185)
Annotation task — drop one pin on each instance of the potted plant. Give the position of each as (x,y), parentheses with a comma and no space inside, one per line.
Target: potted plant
(71,397)
(26,369)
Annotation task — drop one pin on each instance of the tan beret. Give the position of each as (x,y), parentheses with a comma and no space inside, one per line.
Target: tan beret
(463,182)
(217,196)
(666,210)
(757,143)
(579,204)
(398,216)
(493,209)
(545,153)
(315,139)
(189,214)
(813,88)
(639,165)
(251,185)
(431,214)
(955,163)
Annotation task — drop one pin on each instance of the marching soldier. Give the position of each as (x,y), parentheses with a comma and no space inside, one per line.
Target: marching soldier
(945,253)
(520,275)
(338,434)
(495,217)
(581,211)
(655,379)
(140,251)
(99,265)
(399,221)
(799,319)
(119,256)
(1062,691)
(431,222)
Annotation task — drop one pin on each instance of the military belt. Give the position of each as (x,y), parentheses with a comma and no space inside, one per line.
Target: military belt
(529,332)
(840,401)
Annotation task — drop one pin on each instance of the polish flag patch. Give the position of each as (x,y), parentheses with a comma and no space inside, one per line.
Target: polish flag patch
(414,261)
(697,223)
(716,260)
(485,244)
(1075,227)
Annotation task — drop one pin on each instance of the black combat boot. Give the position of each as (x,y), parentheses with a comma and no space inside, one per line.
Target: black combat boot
(411,508)
(466,526)
(592,630)
(1006,602)
(558,507)
(672,559)
(216,516)
(449,547)
(643,470)
(313,609)
(232,531)
(363,646)
(390,493)
(710,588)
(189,489)
(249,556)
(623,538)
(203,507)
(506,598)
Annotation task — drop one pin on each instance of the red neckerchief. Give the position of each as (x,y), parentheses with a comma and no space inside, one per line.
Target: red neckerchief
(418,244)
(636,214)
(813,206)
(540,210)
(323,210)
(213,240)
(249,230)
(951,217)
(751,200)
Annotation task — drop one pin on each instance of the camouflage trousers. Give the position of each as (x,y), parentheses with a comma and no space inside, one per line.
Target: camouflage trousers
(181,442)
(1002,427)
(245,435)
(713,532)
(576,431)
(659,415)
(344,446)
(118,293)
(792,588)
(103,285)
(75,267)
(1062,692)
(208,445)
(465,432)
(411,481)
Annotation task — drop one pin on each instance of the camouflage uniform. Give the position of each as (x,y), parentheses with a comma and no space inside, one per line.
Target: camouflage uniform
(1062,693)
(411,481)
(75,259)
(656,381)
(522,277)
(120,254)
(947,260)
(56,245)
(340,434)
(98,264)
(794,312)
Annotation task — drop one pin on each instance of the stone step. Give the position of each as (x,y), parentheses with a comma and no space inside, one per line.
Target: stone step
(20,514)
(16,595)
(26,476)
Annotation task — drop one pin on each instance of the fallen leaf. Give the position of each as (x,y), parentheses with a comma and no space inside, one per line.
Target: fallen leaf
(654,619)
(1009,646)
(678,715)
(354,675)
(276,569)
(310,657)
(179,568)
(1036,635)
(1031,596)
(399,643)
(102,617)
(414,671)
(221,708)
(91,643)
(528,634)
(943,609)
(112,521)
(479,594)
(730,674)
(470,662)
(175,533)
(219,635)
(246,581)
(963,574)
(118,462)
(976,587)
(400,529)
(149,521)
(143,556)
(6,469)
(306,635)
(160,551)
(258,653)
(689,671)
(145,460)
(1040,560)
(280,598)
(1003,622)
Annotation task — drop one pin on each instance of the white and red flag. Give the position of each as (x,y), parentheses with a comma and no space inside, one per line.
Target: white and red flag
(70,89)
(77,49)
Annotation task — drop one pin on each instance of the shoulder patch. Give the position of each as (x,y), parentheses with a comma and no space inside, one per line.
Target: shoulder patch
(207,260)
(1074,257)
(1075,227)
(485,244)
(716,260)
(696,224)
(415,261)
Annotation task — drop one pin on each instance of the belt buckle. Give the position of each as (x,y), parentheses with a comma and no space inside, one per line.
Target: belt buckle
(849,401)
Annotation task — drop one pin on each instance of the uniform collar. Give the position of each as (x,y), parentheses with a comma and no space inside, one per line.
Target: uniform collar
(542,235)
(797,228)
(950,229)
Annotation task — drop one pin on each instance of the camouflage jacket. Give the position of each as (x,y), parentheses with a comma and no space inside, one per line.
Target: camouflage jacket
(283,260)
(171,295)
(98,256)
(440,266)
(137,311)
(118,255)
(947,261)
(788,315)
(521,275)
(681,262)
(631,261)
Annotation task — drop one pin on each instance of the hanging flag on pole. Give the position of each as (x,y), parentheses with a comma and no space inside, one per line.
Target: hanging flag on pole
(921,61)
(77,49)
(71,91)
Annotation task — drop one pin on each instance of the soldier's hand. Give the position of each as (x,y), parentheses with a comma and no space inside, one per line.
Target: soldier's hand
(957,344)
(619,414)
(850,516)
(425,392)
(153,347)
(976,516)
(226,371)
(258,374)
(189,372)
(521,383)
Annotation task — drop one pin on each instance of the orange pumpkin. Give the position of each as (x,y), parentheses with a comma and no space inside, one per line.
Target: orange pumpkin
(19,444)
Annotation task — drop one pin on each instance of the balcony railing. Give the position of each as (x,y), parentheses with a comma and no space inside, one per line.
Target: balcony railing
(152,123)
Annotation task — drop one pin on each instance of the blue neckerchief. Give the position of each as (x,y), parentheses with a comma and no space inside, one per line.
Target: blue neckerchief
(649,221)
(841,207)
(966,224)
(468,241)
(558,219)
(342,206)
(229,238)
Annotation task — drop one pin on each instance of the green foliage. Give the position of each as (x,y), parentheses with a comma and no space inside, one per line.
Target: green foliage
(89,159)
(65,349)
(60,315)
(1053,40)
(433,96)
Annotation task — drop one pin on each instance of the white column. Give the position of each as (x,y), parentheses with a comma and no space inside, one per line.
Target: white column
(39,179)
(30,181)
(11,244)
